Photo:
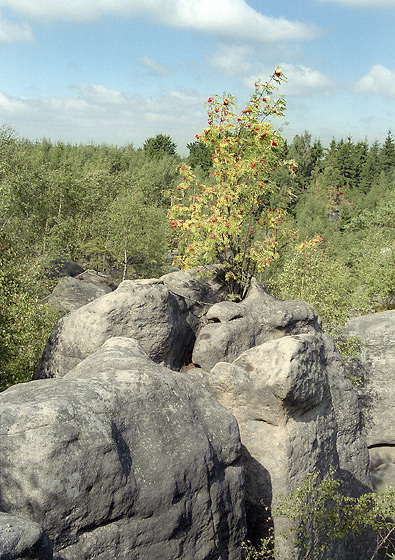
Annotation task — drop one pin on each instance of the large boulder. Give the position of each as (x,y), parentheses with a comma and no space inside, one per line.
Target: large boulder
(235,327)
(123,459)
(297,414)
(375,366)
(70,293)
(22,539)
(163,314)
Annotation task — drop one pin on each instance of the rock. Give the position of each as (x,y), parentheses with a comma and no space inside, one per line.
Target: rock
(195,295)
(72,293)
(123,459)
(162,314)
(63,267)
(236,327)
(21,539)
(383,477)
(297,414)
(376,368)
(99,279)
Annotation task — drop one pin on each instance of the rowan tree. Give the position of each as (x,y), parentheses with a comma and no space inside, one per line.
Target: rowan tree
(229,220)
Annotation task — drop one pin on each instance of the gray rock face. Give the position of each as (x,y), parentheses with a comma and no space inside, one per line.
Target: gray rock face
(270,365)
(162,314)
(236,327)
(376,367)
(71,293)
(123,459)
(23,540)
(297,413)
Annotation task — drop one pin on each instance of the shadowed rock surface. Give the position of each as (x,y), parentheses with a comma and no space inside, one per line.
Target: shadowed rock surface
(71,293)
(23,540)
(123,459)
(376,367)
(297,414)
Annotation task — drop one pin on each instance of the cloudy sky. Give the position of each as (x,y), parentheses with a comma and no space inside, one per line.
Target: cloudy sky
(121,71)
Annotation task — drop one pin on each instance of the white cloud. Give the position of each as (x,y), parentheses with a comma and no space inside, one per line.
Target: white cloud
(378,81)
(11,105)
(153,67)
(305,81)
(364,3)
(227,18)
(98,95)
(231,60)
(301,80)
(106,115)
(14,32)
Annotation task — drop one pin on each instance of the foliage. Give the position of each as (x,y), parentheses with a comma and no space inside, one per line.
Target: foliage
(231,222)
(350,203)
(322,514)
(133,243)
(159,146)
(312,274)
(199,155)
(25,320)
(69,201)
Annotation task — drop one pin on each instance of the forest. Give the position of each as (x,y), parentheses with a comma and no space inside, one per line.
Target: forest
(107,208)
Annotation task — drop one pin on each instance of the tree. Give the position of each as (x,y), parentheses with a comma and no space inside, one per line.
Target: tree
(134,235)
(159,146)
(371,168)
(387,154)
(302,152)
(199,154)
(231,222)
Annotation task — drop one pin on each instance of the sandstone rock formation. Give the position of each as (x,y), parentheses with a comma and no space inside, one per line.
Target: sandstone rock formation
(23,540)
(163,315)
(267,361)
(71,293)
(376,368)
(235,327)
(122,458)
(297,414)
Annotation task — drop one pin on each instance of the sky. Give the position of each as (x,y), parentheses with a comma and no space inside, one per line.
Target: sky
(122,71)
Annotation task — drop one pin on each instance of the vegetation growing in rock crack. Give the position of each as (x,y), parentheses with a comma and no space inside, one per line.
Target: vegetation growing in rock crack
(236,219)
(321,515)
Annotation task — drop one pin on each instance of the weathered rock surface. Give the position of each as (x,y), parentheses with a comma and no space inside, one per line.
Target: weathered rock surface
(70,293)
(376,367)
(297,413)
(123,459)
(267,361)
(23,540)
(163,315)
(236,327)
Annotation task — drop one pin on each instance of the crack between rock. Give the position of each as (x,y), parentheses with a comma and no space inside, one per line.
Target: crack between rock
(26,430)
(190,298)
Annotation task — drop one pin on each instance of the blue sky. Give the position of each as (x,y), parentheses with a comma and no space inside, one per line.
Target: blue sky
(121,71)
